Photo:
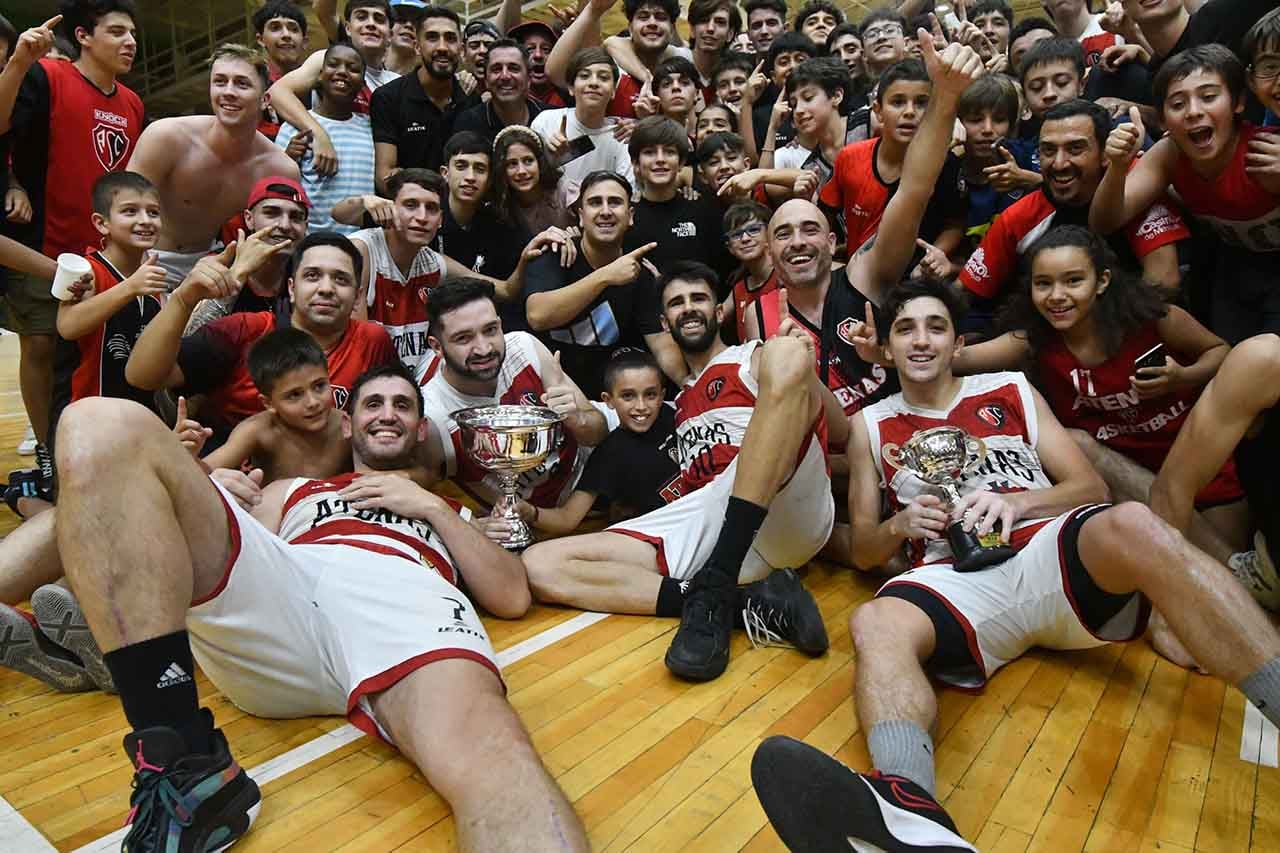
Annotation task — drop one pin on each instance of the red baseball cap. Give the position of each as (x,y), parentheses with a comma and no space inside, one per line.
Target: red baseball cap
(278,186)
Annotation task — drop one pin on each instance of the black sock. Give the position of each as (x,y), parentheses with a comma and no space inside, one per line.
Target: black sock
(670,598)
(741,521)
(157,686)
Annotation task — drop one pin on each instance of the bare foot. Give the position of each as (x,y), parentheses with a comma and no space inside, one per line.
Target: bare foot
(1168,646)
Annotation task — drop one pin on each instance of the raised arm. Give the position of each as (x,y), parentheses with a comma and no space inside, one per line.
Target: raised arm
(877,267)
(285,95)
(327,14)
(1125,193)
(32,45)
(583,32)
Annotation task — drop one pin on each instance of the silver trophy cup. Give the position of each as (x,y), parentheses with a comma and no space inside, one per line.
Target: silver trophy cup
(943,456)
(509,440)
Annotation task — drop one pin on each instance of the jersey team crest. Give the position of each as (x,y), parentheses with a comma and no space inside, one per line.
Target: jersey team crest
(993,415)
(110,144)
(845,330)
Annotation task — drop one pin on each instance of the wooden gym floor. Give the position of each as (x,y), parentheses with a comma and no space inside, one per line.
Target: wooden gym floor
(1111,749)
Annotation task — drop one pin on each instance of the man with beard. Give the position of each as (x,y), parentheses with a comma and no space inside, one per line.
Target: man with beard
(751,425)
(336,596)
(413,116)
(506,79)
(368,27)
(1072,140)
(482,366)
(201,164)
(279,204)
(538,39)
(322,291)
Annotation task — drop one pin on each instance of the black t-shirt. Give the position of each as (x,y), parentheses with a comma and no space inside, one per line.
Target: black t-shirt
(1219,21)
(618,317)
(761,111)
(484,121)
(684,231)
(402,115)
(638,471)
(489,246)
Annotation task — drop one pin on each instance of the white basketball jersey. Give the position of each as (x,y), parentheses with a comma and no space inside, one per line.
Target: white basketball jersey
(712,413)
(400,303)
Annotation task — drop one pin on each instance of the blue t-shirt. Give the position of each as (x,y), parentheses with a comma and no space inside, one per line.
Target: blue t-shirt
(353,141)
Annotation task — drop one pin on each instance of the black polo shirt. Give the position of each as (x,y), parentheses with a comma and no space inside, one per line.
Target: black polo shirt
(402,115)
(484,121)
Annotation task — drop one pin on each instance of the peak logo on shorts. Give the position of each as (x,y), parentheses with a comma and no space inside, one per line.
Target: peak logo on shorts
(993,415)
(714,387)
(110,144)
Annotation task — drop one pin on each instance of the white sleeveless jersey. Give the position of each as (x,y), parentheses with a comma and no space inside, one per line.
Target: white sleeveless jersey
(315,514)
(519,383)
(712,413)
(400,303)
(998,408)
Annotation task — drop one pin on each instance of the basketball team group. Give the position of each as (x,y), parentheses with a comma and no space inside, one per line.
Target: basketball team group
(981,307)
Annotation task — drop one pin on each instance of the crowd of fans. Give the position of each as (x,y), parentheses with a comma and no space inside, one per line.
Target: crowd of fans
(620,226)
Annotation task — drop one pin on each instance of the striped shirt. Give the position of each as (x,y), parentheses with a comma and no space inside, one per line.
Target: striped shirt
(353,141)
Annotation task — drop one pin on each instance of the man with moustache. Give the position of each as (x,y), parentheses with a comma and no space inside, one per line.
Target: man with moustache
(506,79)
(413,116)
(538,39)
(202,164)
(751,425)
(340,596)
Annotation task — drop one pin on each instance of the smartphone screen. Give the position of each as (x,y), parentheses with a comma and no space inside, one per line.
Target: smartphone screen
(1153,357)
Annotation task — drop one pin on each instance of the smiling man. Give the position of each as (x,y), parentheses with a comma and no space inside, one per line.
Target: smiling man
(506,79)
(202,165)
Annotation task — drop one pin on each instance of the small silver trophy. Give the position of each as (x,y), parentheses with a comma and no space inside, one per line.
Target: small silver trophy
(509,440)
(943,456)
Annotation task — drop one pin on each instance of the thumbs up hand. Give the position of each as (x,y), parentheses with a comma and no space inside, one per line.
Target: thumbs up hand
(148,279)
(558,141)
(560,394)
(1125,141)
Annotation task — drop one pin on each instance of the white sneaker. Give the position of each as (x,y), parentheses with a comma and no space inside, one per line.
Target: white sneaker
(27,447)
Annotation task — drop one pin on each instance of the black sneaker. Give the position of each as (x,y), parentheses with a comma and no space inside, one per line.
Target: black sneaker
(24,648)
(60,618)
(25,483)
(44,458)
(700,649)
(817,804)
(185,803)
(779,611)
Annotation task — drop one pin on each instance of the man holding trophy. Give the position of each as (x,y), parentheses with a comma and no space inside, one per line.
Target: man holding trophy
(985,454)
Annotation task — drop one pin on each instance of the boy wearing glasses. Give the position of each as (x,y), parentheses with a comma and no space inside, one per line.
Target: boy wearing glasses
(744,226)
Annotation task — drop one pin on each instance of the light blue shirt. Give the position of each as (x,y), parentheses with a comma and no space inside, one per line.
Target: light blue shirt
(353,141)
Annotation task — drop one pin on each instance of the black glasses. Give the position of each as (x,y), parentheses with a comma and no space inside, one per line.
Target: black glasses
(755,229)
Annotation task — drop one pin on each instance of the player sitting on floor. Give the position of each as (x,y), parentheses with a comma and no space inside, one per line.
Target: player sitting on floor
(278,606)
(1076,581)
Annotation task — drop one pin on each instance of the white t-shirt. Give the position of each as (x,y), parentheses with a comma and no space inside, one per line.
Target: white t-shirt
(608,153)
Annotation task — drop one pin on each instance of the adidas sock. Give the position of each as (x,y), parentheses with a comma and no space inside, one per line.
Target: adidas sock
(742,519)
(670,598)
(1262,688)
(156,685)
(902,748)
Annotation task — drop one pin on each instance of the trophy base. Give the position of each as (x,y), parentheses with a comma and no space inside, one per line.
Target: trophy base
(970,554)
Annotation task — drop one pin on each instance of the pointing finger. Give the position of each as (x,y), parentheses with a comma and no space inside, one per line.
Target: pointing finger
(564,124)
(182,409)
(228,253)
(51,23)
(644,250)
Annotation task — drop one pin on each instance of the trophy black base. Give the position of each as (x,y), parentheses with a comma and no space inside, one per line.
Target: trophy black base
(969,552)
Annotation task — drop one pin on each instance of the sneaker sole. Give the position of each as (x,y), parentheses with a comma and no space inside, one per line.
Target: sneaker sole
(20,650)
(817,805)
(712,670)
(62,621)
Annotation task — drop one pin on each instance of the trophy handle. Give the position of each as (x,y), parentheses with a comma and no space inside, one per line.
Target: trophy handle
(975,452)
(892,454)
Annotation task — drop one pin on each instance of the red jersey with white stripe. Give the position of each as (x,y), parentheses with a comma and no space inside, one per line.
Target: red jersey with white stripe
(743,297)
(998,408)
(520,383)
(1101,401)
(315,514)
(399,302)
(995,262)
(856,189)
(1094,40)
(1233,204)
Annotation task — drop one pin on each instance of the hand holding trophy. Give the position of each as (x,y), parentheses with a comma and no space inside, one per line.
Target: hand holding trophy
(943,456)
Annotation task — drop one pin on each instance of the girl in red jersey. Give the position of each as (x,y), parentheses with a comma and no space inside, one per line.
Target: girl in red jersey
(1114,361)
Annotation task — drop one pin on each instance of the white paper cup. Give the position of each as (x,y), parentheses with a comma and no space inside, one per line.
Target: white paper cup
(70,269)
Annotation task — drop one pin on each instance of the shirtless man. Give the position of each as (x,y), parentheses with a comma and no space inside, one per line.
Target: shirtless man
(277,607)
(204,166)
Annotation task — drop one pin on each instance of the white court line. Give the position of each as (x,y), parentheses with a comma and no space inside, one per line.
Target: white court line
(1259,738)
(19,836)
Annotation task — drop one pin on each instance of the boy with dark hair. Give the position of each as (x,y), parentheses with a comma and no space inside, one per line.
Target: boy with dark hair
(845,44)
(299,431)
(787,52)
(280,29)
(997,168)
(98,121)
(729,80)
(816,19)
(582,138)
(994,19)
(634,469)
(1051,72)
(816,90)
(1200,94)
(1026,34)
(1261,49)
(744,234)
(676,83)
(766,19)
(725,167)
(713,24)
(884,40)
(682,228)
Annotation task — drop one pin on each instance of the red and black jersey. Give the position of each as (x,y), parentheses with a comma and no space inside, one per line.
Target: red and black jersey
(857,189)
(66,134)
(994,263)
(1100,400)
(743,297)
(104,352)
(214,360)
(1233,204)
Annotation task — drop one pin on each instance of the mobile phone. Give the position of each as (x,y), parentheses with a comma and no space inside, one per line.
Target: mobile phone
(1153,357)
(576,148)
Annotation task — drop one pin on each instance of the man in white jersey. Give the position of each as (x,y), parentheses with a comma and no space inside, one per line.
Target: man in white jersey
(334,596)
(1076,580)
(481,366)
(660,562)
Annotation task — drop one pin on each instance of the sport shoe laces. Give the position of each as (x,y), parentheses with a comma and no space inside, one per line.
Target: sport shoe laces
(766,626)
